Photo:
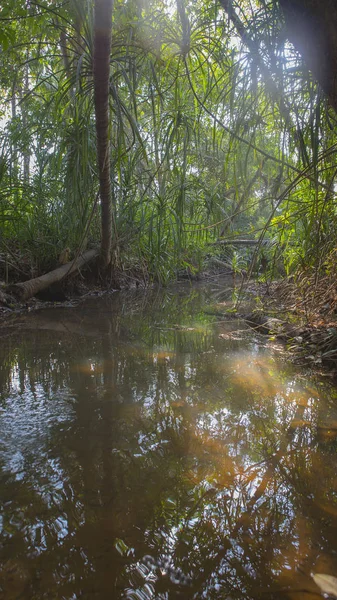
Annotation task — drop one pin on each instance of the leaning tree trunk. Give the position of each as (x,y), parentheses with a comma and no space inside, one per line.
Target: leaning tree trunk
(101,68)
(27,289)
(312,27)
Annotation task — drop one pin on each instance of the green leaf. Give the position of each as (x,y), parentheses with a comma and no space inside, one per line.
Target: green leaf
(6,38)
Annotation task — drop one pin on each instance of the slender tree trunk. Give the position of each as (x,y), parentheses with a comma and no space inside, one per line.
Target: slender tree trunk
(65,52)
(26,154)
(14,150)
(102,48)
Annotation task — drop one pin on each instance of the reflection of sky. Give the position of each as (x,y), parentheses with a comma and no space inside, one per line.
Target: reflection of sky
(26,420)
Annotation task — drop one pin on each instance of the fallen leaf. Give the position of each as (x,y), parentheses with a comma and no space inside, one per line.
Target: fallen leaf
(327,583)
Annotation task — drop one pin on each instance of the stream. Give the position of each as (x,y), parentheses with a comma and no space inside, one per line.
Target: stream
(151,451)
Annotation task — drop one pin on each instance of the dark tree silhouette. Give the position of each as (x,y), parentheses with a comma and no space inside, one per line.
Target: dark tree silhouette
(312,27)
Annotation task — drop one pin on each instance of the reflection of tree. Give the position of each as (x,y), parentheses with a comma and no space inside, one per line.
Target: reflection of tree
(162,469)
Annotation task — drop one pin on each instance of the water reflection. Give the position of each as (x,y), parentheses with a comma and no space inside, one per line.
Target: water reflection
(148,452)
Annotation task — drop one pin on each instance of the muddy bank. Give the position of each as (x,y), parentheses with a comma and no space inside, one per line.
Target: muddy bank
(307,311)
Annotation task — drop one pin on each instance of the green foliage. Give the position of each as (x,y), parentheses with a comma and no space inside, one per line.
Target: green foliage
(216,128)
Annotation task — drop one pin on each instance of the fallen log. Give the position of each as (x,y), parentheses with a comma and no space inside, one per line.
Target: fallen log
(26,289)
(240,242)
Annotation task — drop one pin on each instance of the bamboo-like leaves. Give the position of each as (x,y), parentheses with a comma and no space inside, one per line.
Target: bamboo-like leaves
(201,141)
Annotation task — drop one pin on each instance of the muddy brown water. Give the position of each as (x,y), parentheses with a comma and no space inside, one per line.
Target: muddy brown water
(148,451)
